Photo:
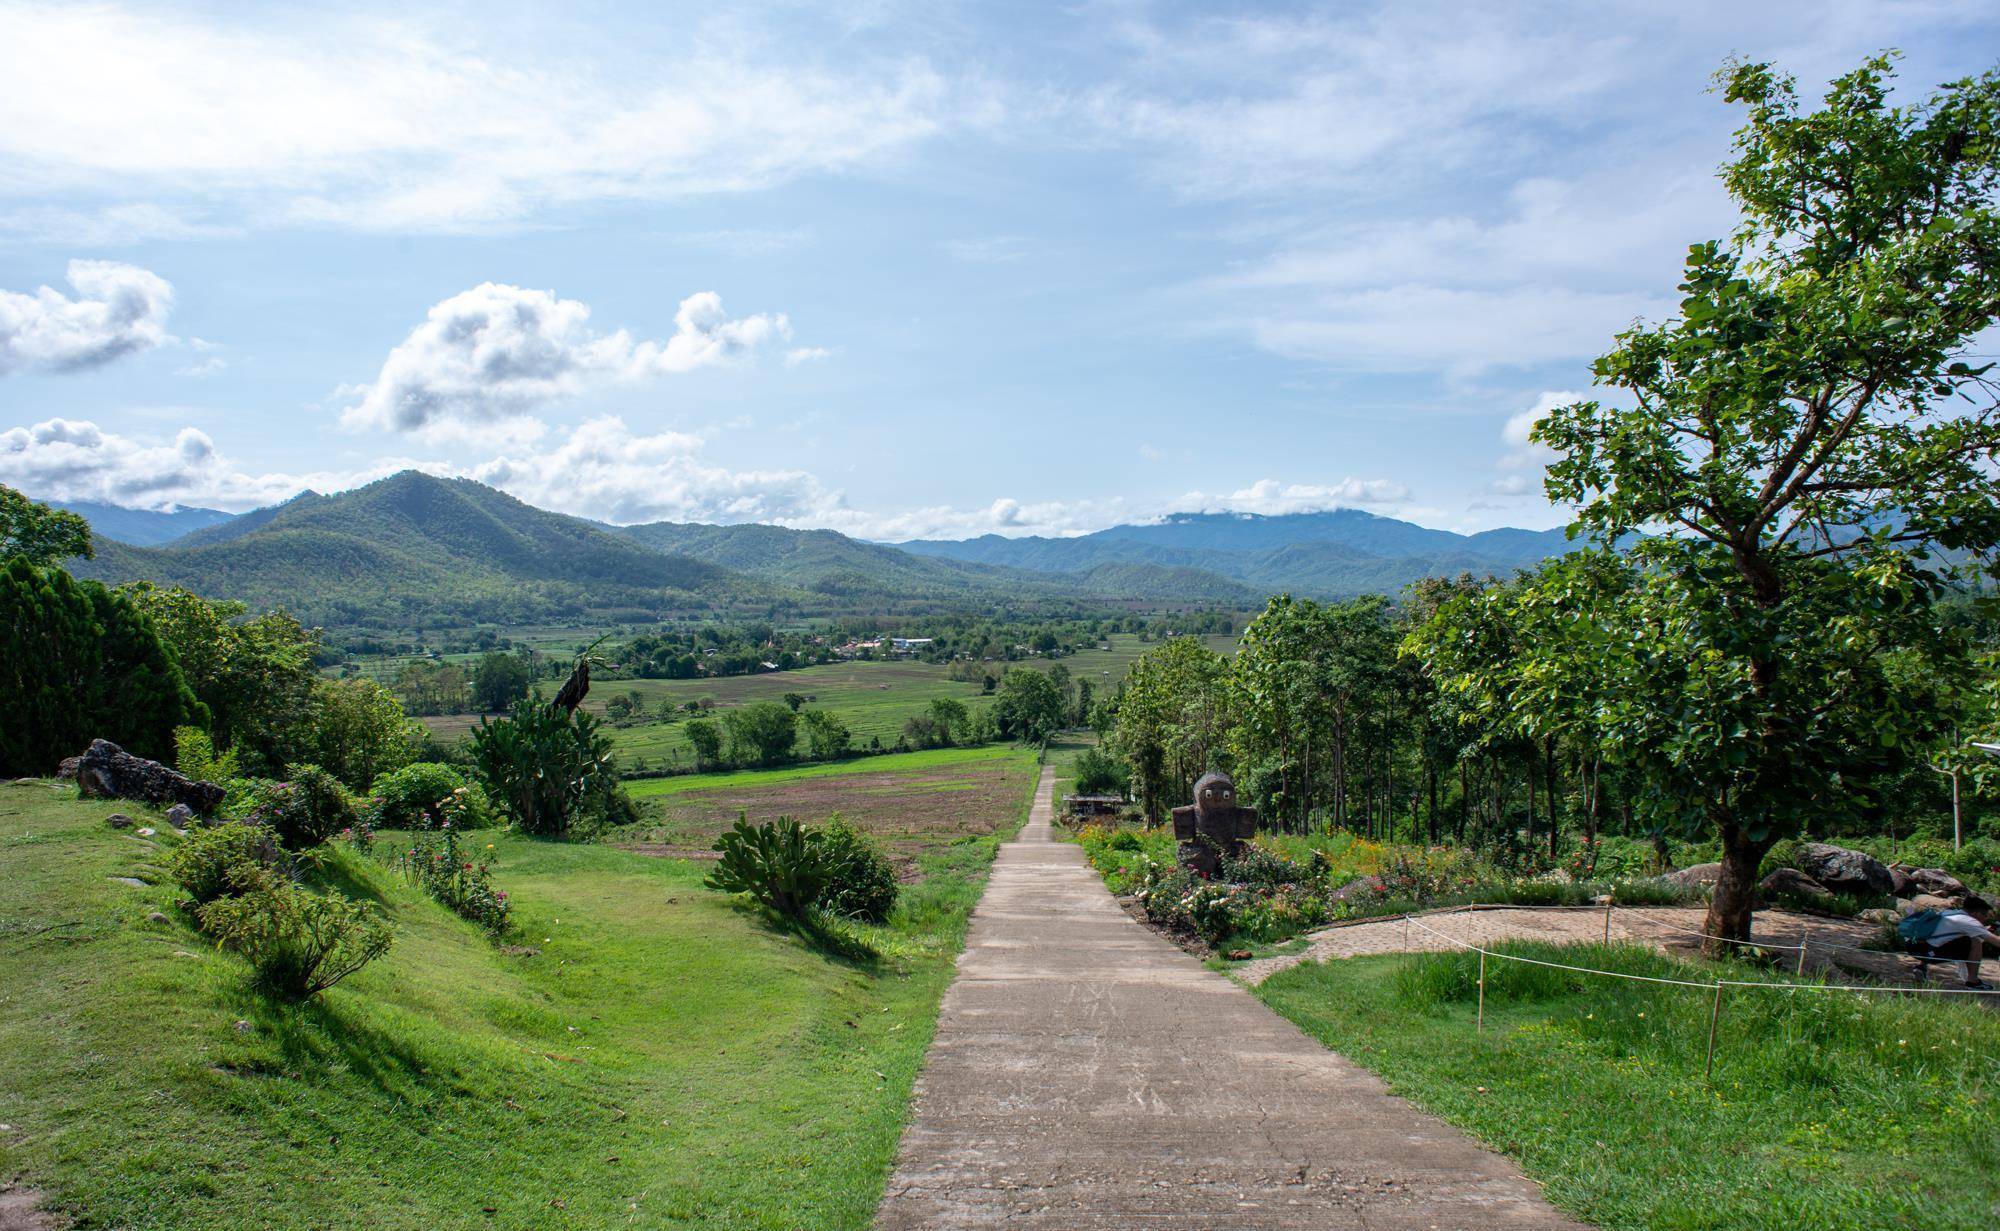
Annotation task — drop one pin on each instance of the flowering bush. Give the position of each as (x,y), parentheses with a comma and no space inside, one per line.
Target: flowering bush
(437,866)
(426,795)
(303,810)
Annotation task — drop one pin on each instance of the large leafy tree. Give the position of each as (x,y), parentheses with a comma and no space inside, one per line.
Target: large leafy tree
(79,662)
(1172,721)
(1797,445)
(42,534)
(1029,706)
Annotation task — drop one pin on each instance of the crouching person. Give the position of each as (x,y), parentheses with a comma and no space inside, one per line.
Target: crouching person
(1960,935)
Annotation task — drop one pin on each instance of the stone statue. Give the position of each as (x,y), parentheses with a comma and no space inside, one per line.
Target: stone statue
(1213,827)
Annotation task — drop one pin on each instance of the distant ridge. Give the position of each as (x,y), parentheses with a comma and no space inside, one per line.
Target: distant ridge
(143,527)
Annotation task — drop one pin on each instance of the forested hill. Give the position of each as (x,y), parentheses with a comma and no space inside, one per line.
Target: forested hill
(1336,554)
(143,527)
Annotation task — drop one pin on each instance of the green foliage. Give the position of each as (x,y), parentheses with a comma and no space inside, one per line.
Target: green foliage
(79,662)
(427,794)
(861,882)
(298,943)
(500,680)
(827,736)
(1172,716)
(761,733)
(1099,773)
(1028,706)
(544,765)
(436,864)
(359,732)
(255,676)
(783,866)
(226,859)
(39,534)
(195,756)
(706,740)
(309,807)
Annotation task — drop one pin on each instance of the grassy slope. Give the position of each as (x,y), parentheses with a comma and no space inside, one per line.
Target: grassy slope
(935,758)
(1826,1110)
(665,1059)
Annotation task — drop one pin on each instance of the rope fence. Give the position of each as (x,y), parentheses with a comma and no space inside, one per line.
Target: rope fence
(1718,985)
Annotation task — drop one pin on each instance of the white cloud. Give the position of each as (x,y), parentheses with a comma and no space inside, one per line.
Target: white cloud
(1271,497)
(66,459)
(1523,453)
(407,124)
(988,249)
(497,353)
(118,310)
(806,354)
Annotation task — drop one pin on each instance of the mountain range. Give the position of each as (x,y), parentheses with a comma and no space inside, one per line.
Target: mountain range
(413,550)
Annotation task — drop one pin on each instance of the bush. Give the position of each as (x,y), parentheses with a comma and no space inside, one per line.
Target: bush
(1098,773)
(782,865)
(862,881)
(426,795)
(298,942)
(1265,869)
(1126,840)
(542,764)
(195,756)
(439,868)
(304,810)
(229,859)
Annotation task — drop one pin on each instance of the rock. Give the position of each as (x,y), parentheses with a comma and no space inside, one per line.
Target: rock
(108,771)
(145,831)
(68,767)
(1984,903)
(1904,886)
(1928,901)
(1358,888)
(1792,883)
(243,1027)
(1699,876)
(118,820)
(180,816)
(133,881)
(1238,955)
(158,917)
(1845,871)
(1939,883)
(1878,914)
(1905,907)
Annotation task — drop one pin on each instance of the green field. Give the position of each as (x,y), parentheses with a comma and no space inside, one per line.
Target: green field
(875,699)
(1825,1110)
(642,1051)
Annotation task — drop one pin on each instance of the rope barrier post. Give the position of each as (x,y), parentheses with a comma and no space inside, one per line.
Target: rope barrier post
(1406,931)
(1805,943)
(1607,923)
(1480,1027)
(1714,1018)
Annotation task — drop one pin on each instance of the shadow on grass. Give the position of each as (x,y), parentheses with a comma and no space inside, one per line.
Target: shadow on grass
(825,934)
(313,1037)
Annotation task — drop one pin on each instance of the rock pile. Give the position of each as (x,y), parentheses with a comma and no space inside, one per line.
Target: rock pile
(1825,870)
(107,771)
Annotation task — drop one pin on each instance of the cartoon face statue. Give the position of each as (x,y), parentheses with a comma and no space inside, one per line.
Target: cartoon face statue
(1214,793)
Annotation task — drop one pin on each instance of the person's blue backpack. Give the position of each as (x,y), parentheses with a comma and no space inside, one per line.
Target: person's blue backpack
(1919,927)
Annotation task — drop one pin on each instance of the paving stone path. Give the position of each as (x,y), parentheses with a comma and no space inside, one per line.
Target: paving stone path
(1088,1074)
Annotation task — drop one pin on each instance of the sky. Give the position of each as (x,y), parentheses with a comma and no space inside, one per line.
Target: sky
(902,270)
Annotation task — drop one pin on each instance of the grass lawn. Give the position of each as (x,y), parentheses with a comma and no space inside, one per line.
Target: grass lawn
(642,1052)
(1827,1110)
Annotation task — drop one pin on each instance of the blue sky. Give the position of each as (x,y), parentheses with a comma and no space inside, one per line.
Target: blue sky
(904,270)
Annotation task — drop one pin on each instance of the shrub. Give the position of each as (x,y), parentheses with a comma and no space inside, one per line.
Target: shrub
(298,942)
(782,865)
(195,756)
(229,859)
(1098,773)
(542,764)
(861,881)
(359,730)
(426,794)
(1126,840)
(1977,863)
(437,866)
(304,810)
(1265,869)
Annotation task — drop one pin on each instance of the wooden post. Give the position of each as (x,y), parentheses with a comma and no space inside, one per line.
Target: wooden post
(1607,923)
(1481,1020)
(1714,1017)
(1406,931)
(1805,943)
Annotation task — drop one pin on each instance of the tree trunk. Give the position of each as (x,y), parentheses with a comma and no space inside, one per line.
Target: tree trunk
(1729,912)
(1550,782)
(1431,781)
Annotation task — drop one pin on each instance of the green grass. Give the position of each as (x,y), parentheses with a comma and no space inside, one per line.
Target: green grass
(1826,1110)
(663,1057)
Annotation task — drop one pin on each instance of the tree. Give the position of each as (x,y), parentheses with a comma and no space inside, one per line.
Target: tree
(500,680)
(1028,706)
(762,732)
(1171,724)
(359,731)
(706,740)
(79,662)
(42,534)
(1799,442)
(255,676)
(827,736)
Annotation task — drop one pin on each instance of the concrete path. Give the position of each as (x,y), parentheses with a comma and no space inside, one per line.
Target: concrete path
(1088,1074)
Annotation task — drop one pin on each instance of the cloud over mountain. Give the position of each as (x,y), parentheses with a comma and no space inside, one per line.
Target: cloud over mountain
(499,352)
(117,310)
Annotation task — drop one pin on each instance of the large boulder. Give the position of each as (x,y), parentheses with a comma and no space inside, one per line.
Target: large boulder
(1904,886)
(1939,883)
(1699,876)
(1792,883)
(1927,901)
(107,771)
(1845,871)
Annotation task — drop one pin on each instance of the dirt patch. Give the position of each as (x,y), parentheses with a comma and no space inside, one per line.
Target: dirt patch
(908,812)
(21,1210)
